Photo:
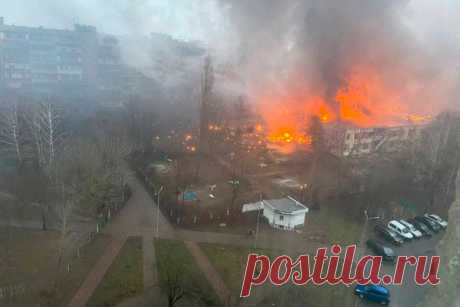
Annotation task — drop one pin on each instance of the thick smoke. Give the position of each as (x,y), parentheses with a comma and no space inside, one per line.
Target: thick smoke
(290,49)
(133,20)
(296,51)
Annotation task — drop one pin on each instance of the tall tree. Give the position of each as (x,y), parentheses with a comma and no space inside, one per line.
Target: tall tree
(177,281)
(46,126)
(12,131)
(318,147)
(207,83)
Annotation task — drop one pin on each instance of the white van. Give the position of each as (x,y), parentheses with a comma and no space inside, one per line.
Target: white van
(400,229)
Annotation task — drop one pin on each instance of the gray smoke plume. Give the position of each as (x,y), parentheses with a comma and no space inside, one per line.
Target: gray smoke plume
(293,46)
(134,20)
(296,46)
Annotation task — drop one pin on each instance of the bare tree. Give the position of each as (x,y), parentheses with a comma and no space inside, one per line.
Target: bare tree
(65,210)
(11,132)
(318,147)
(235,183)
(177,282)
(46,135)
(207,82)
(47,131)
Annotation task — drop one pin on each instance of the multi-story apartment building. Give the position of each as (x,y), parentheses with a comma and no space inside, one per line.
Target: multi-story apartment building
(365,141)
(355,142)
(39,58)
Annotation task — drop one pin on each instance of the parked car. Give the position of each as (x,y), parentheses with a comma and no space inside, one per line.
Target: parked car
(379,249)
(421,227)
(388,234)
(437,219)
(432,225)
(374,293)
(416,233)
(400,230)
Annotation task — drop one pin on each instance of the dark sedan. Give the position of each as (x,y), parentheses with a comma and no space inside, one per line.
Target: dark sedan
(379,249)
(388,235)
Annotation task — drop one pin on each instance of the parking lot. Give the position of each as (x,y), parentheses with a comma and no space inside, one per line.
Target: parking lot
(409,294)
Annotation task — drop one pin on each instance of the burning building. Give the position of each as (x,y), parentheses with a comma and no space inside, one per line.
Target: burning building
(371,140)
(359,142)
(355,65)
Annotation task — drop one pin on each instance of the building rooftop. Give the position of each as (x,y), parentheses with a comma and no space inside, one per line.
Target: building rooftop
(287,205)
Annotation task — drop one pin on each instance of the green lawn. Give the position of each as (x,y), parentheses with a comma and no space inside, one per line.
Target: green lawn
(336,227)
(89,255)
(230,261)
(175,260)
(31,266)
(124,278)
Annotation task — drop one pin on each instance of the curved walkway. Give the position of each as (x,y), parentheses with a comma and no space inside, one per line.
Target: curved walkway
(137,218)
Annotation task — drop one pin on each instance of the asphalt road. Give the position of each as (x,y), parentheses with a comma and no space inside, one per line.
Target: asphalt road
(409,294)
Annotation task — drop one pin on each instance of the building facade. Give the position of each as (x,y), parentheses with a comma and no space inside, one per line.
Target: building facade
(359,141)
(39,58)
(354,142)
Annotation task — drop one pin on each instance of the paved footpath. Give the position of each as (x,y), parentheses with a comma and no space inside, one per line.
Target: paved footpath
(135,219)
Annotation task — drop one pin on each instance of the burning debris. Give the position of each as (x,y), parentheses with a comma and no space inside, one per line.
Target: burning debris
(355,64)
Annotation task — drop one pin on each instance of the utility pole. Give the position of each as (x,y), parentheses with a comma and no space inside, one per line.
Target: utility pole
(363,233)
(303,188)
(157,224)
(259,207)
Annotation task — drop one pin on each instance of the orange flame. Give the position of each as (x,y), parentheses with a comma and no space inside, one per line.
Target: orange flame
(287,135)
(364,100)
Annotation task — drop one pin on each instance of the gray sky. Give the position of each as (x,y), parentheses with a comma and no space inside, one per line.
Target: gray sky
(191,20)
(205,20)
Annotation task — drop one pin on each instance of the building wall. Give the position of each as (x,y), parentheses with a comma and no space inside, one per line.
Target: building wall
(269,215)
(286,221)
(298,219)
(365,141)
(39,57)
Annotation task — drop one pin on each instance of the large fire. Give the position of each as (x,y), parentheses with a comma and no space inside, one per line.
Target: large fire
(287,123)
(367,101)
(364,100)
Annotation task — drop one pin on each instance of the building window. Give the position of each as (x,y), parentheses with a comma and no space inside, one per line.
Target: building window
(281,218)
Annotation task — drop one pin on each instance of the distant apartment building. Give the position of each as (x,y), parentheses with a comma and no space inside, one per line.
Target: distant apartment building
(360,142)
(35,57)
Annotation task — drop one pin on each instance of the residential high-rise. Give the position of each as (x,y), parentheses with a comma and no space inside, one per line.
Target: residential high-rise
(39,58)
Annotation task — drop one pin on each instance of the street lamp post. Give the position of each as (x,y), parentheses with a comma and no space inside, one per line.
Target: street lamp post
(157,225)
(259,206)
(366,223)
(303,188)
